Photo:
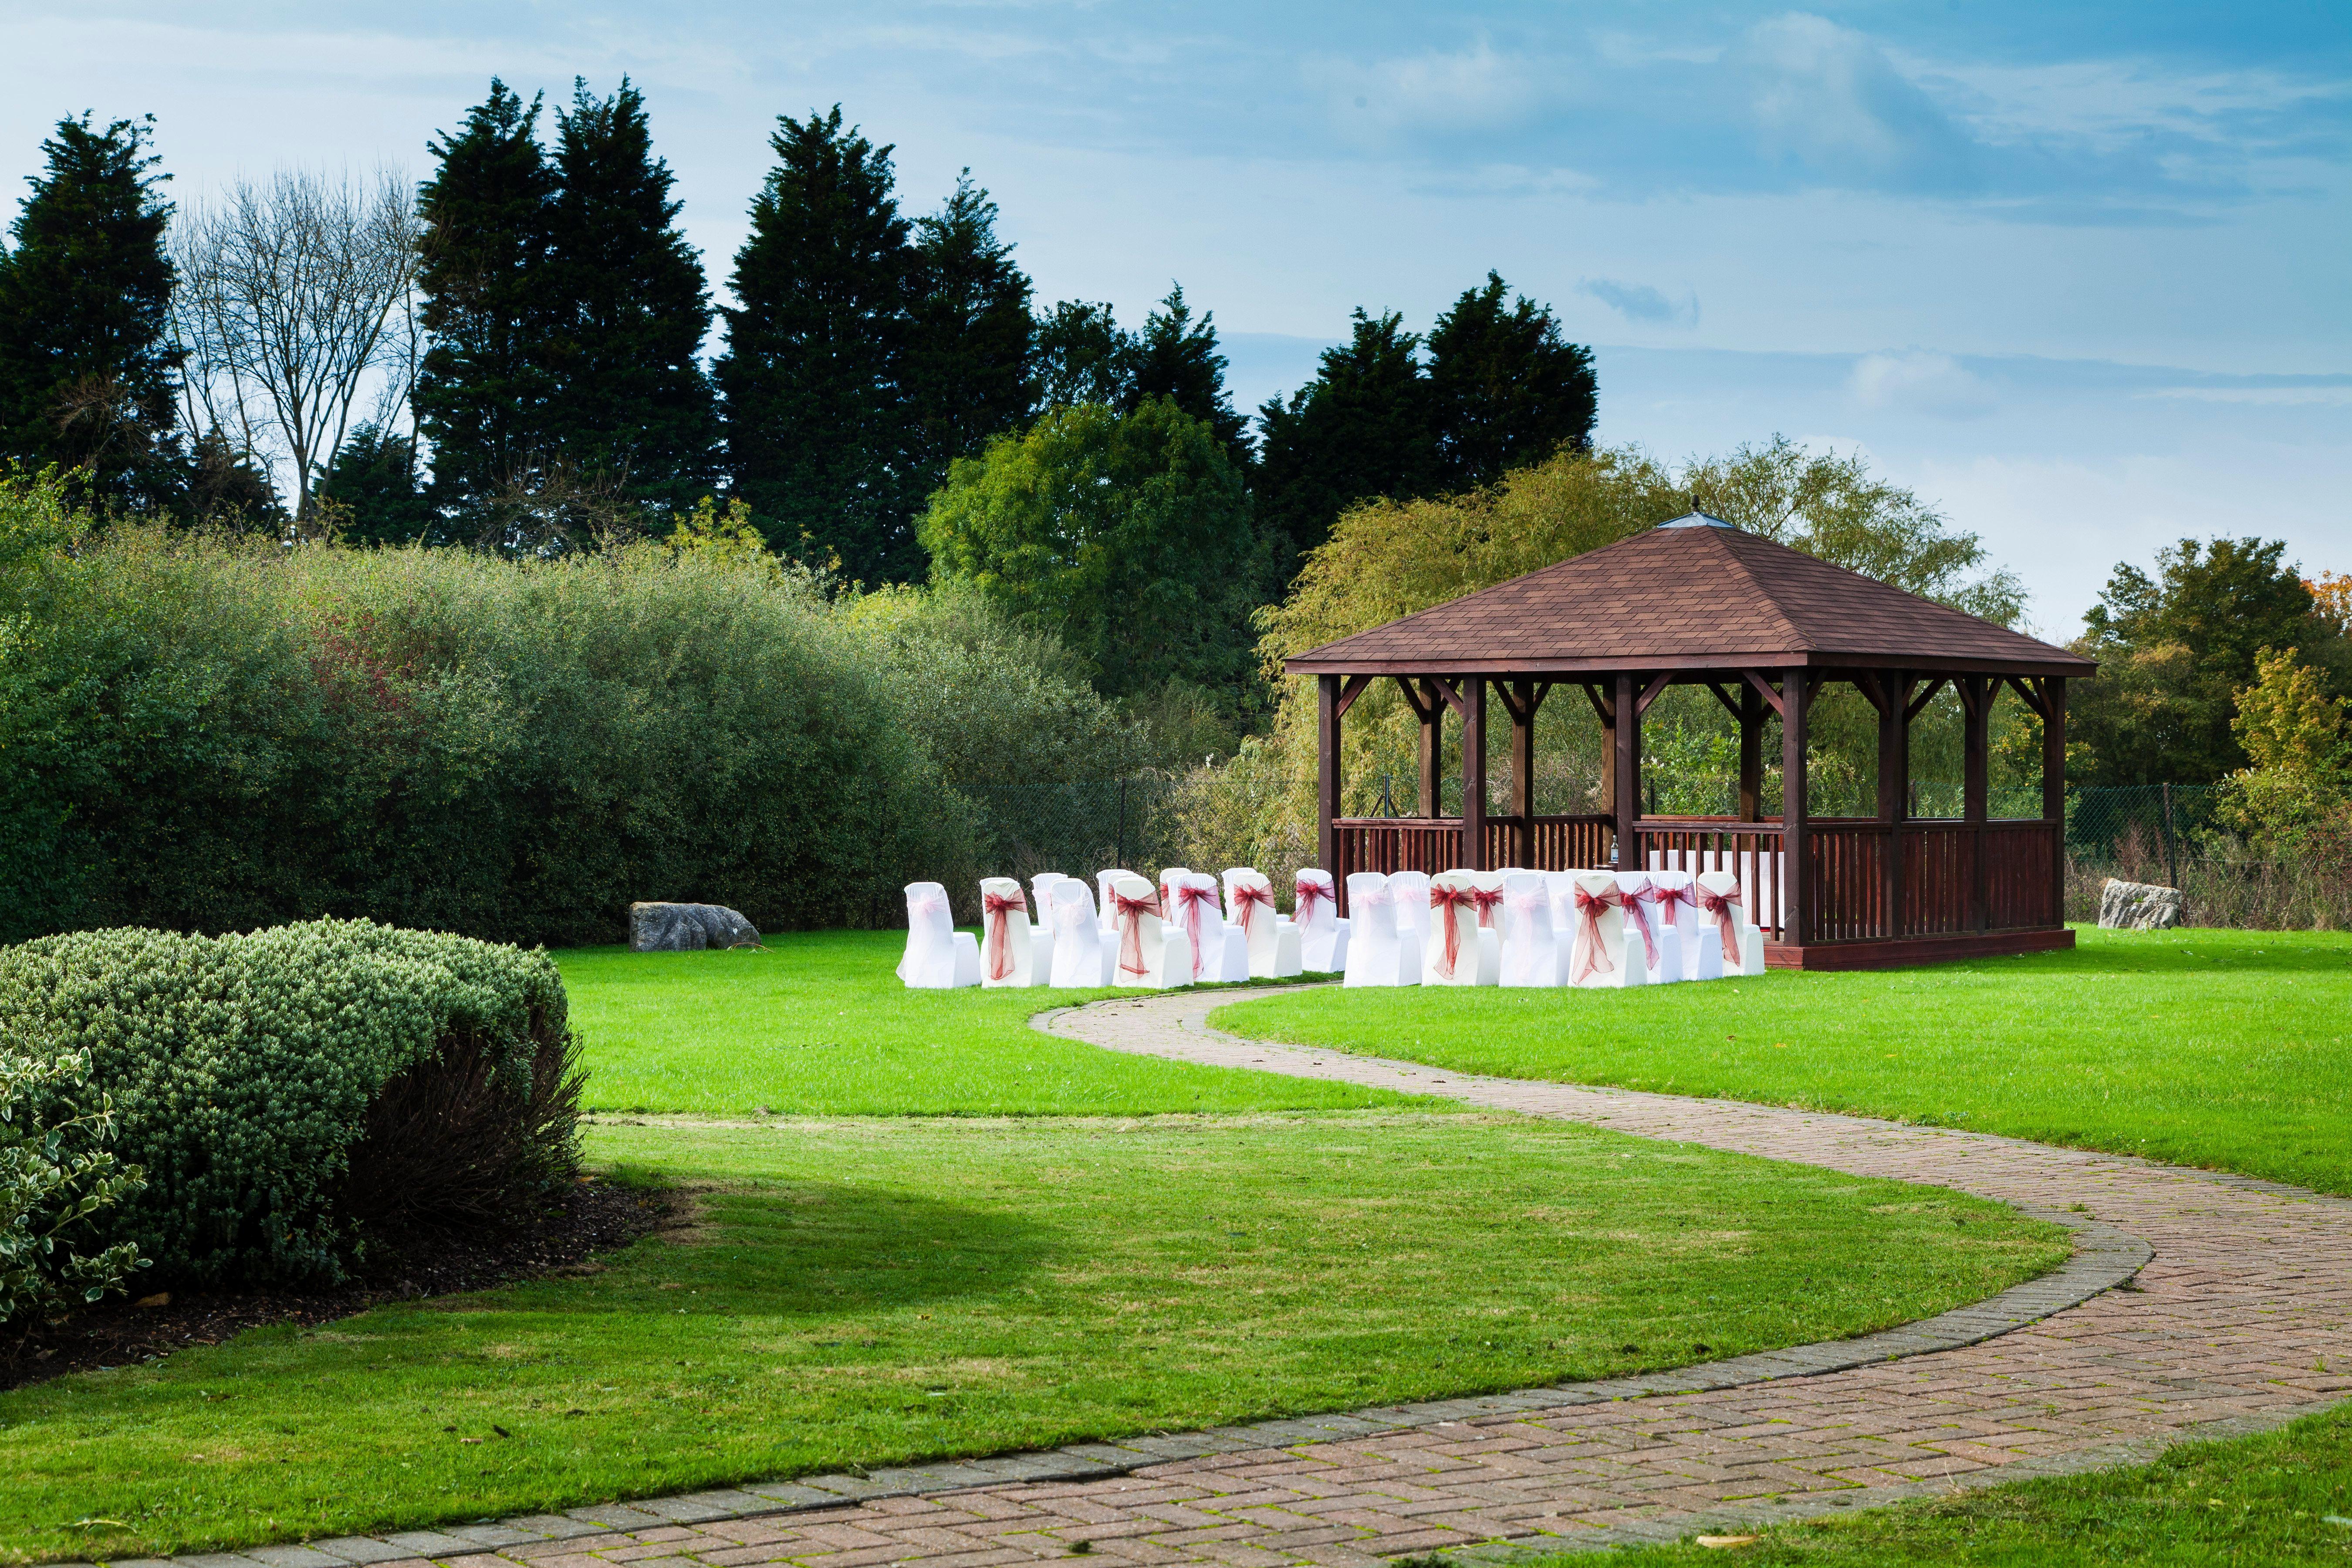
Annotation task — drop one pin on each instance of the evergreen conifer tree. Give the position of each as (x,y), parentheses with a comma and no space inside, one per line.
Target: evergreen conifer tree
(1508,388)
(967,369)
(377,491)
(483,392)
(819,432)
(1362,428)
(1175,359)
(627,399)
(1083,356)
(86,369)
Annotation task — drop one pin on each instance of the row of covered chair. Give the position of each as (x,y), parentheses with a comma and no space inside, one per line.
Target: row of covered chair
(1594,929)
(1125,931)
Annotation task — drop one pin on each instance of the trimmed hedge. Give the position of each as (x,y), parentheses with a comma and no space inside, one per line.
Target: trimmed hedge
(295,1092)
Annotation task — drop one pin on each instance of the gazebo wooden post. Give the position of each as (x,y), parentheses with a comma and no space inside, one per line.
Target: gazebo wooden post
(1431,712)
(2054,786)
(1326,782)
(1796,700)
(1751,754)
(1977,692)
(1894,789)
(1521,698)
(1474,773)
(1625,771)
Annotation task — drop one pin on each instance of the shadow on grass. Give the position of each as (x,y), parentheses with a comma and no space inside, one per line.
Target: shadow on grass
(812,1250)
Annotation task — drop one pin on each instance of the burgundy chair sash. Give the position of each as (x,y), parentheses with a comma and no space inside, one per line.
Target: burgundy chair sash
(1486,899)
(1592,957)
(1194,901)
(1636,895)
(999,907)
(1720,907)
(1248,896)
(1309,893)
(1129,917)
(1450,899)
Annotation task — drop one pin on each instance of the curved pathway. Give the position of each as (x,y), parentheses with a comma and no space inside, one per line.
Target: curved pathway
(2239,1320)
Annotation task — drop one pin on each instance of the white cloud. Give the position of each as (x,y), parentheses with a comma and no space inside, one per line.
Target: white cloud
(1828,98)
(1434,92)
(1919,382)
(1641,302)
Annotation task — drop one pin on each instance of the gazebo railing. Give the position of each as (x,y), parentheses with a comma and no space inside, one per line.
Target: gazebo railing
(1957,877)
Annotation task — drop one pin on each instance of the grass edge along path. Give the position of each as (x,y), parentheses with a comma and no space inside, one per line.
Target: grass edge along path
(2216,1049)
(868,1291)
(2280,1498)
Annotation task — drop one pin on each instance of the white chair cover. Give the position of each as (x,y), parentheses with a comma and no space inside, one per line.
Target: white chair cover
(1720,903)
(1647,936)
(1488,887)
(1529,957)
(1452,909)
(1041,899)
(1007,954)
(1104,881)
(1411,890)
(1381,952)
(1322,935)
(1190,900)
(1273,945)
(1597,957)
(1152,954)
(1077,941)
(938,957)
(1678,931)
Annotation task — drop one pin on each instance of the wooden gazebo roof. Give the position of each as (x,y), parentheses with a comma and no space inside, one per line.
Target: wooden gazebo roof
(1695,594)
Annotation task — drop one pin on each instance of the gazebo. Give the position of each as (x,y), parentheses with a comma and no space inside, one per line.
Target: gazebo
(1698,601)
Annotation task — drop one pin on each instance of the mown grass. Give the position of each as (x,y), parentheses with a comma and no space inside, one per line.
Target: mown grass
(817,1024)
(860,1293)
(2224,1049)
(2271,1501)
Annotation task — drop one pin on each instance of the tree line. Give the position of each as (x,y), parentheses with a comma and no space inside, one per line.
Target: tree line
(519,352)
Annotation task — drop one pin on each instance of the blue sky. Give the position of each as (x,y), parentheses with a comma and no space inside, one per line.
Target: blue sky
(2077,273)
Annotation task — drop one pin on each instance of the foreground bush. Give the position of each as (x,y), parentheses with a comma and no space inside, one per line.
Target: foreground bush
(294,1094)
(219,734)
(55,1179)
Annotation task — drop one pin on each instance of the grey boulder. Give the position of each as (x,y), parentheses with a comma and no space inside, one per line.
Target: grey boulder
(687,928)
(2138,906)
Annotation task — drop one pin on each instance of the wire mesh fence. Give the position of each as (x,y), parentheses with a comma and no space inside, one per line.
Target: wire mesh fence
(1078,827)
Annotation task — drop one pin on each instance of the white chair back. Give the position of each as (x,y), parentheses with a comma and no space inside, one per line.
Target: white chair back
(1007,955)
(1104,882)
(1382,950)
(1077,941)
(1150,953)
(1411,890)
(1724,924)
(1249,901)
(934,957)
(1598,956)
(1190,898)
(1530,957)
(1452,954)
(1643,937)
(1323,935)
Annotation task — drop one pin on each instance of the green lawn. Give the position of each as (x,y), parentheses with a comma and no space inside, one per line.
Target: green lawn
(863,1292)
(2256,1502)
(2225,1050)
(817,1024)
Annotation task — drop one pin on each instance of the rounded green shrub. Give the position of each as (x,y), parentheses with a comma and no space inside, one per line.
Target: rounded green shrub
(293,1093)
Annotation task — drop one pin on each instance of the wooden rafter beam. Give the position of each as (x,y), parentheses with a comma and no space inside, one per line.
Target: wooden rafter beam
(1602,708)
(1730,703)
(1412,698)
(1764,689)
(1451,692)
(1650,692)
(2028,692)
(1911,709)
(1867,681)
(1354,689)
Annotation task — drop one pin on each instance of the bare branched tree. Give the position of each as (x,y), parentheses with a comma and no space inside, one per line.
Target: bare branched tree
(293,294)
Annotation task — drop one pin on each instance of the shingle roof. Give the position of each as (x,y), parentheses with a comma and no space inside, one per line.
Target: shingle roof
(1684,596)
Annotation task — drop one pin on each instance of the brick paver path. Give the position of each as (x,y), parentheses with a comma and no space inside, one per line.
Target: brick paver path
(2242,1320)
